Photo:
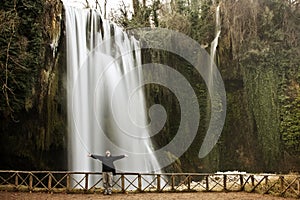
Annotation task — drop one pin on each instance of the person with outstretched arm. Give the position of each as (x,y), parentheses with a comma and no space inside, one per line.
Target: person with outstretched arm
(108,169)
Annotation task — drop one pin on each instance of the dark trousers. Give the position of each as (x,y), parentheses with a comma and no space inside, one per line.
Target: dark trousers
(107,182)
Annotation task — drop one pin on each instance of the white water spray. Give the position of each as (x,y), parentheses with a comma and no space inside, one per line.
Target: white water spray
(105,106)
(214,43)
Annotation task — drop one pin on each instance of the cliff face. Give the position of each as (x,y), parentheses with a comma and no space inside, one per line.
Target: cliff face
(258,58)
(258,61)
(33,110)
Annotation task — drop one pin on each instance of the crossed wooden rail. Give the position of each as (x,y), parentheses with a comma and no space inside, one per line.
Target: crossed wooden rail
(67,181)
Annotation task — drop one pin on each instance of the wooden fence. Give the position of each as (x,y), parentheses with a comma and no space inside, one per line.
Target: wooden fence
(65,181)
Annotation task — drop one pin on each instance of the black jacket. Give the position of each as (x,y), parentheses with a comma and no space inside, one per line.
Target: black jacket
(108,162)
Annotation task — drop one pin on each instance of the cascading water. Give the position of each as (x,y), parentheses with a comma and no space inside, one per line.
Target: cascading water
(214,43)
(105,105)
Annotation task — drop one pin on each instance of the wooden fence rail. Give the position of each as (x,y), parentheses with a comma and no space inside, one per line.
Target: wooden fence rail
(66,181)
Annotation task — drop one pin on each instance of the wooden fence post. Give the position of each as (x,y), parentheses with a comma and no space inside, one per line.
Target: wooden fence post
(30,182)
(173,182)
(123,182)
(139,182)
(207,183)
(68,182)
(242,182)
(224,182)
(281,183)
(86,181)
(189,182)
(16,180)
(50,181)
(158,182)
(252,179)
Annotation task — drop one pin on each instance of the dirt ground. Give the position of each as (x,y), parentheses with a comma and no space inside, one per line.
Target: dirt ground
(139,196)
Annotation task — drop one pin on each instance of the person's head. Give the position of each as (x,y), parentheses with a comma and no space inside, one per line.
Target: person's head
(107,153)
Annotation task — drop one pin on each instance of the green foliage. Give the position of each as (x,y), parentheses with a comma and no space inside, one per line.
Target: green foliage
(290,112)
(202,18)
(195,20)
(32,120)
(261,83)
(259,59)
(271,66)
(139,19)
(20,57)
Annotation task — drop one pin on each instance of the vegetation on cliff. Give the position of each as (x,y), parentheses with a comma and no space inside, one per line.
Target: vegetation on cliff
(258,57)
(33,127)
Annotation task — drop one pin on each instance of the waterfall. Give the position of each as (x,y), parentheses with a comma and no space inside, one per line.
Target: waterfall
(214,43)
(217,96)
(106,106)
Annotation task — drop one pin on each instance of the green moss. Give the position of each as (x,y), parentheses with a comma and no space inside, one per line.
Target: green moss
(290,113)
(33,121)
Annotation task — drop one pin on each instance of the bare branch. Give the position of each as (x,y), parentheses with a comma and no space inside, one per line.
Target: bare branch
(6,89)
(87,4)
(105,2)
